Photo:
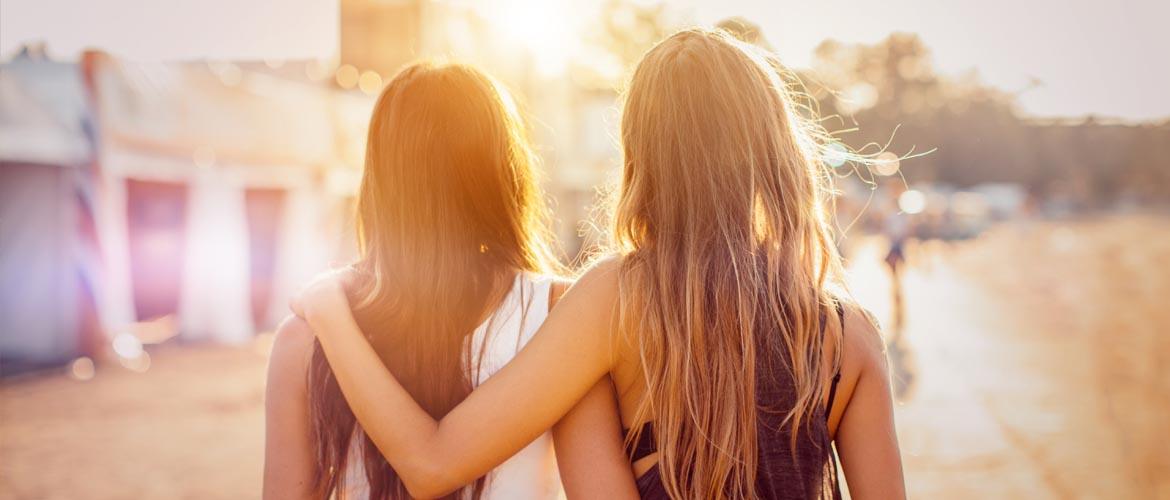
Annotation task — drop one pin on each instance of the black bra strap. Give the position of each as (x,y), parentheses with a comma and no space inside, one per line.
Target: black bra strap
(832,395)
(644,446)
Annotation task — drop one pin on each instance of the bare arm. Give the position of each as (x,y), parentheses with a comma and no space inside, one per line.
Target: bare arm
(556,369)
(288,447)
(866,440)
(590,452)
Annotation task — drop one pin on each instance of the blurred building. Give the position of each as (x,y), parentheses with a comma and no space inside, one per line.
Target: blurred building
(198,195)
(224,176)
(47,256)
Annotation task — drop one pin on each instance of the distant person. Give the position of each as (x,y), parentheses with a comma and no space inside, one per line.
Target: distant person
(896,229)
(455,276)
(737,369)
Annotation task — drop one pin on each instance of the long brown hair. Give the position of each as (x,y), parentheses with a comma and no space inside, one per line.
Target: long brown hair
(727,252)
(449,208)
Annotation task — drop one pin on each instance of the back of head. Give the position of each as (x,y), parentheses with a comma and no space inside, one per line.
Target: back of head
(448,209)
(449,175)
(722,221)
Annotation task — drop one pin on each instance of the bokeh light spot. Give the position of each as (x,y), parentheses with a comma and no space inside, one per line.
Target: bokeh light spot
(912,201)
(886,164)
(370,82)
(139,364)
(127,346)
(82,369)
(347,76)
(857,97)
(836,154)
(318,69)
(228,73)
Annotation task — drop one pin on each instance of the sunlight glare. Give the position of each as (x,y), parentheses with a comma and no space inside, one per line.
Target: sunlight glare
(543,27)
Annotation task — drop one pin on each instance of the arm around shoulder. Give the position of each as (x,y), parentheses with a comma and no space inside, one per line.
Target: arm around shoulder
(569,354)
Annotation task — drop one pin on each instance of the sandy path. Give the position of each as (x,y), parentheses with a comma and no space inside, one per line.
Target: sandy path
(1033,364)
(190,427)
(1037,362)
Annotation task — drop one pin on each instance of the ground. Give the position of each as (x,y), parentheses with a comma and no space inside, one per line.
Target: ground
(1031,364)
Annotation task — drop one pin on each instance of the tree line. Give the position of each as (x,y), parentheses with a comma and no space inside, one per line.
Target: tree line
(889,95)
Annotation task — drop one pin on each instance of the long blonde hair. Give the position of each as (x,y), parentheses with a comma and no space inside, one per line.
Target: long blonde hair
(727,251)
(449,207)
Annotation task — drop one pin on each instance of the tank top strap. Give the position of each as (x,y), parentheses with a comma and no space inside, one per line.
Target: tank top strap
(535,297)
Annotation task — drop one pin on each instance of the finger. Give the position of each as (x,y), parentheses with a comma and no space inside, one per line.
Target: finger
(347,277)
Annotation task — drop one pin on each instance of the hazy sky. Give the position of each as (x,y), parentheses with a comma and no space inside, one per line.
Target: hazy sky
(1108,58)
(1103,57)
(175,29)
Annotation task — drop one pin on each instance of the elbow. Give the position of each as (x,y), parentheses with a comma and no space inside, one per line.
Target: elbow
(428,479)
(422,491)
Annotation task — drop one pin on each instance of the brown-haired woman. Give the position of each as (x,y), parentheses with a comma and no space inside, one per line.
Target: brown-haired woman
(734,364)
(455,276)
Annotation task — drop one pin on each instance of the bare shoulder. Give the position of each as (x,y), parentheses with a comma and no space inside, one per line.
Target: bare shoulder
(597,286)
(294,338)
(288,362)
(865,348)
(603,272)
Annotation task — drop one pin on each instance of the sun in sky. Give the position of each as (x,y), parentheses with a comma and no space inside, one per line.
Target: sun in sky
(547,29)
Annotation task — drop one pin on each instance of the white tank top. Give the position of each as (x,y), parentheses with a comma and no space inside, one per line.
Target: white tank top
(532,472)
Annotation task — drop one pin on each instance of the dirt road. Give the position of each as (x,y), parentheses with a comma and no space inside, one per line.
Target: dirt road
(1032,364)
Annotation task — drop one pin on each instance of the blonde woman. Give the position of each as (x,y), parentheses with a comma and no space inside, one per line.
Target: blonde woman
(735,367)
(455,276)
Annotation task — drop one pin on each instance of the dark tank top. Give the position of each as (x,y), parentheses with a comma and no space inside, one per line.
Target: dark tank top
(809,473)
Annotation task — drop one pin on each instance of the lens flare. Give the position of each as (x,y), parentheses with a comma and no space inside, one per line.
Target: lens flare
(545,29)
